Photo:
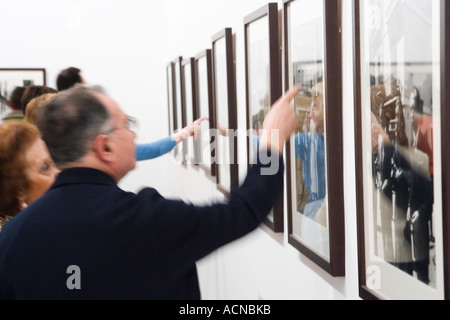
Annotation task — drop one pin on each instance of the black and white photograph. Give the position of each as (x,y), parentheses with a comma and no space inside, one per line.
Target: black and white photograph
(399,110)
(12,78)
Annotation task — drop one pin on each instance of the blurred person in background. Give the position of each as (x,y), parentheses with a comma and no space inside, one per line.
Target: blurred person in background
(16,113)
(31,92)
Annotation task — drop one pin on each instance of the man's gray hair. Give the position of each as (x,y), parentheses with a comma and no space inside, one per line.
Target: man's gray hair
(70,122)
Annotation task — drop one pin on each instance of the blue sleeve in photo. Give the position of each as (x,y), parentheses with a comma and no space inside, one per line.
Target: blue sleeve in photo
(155,149)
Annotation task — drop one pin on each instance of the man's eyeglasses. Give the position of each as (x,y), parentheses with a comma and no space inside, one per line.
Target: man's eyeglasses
(131,124)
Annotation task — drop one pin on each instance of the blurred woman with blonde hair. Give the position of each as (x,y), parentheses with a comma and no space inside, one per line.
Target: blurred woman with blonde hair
(33,106)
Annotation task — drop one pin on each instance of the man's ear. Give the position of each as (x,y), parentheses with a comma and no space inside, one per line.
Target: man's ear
(102,148)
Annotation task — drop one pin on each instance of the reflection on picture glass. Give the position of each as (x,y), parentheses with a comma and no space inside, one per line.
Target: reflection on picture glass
(400,81)
(223,143)
(309,192)
(203,102)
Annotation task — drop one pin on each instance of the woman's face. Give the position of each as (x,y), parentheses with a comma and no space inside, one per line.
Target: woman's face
(40,171)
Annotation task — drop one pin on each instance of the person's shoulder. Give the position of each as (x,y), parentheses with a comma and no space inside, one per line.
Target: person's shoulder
(149,193)
(3,221)
(152,202)
(10,226)
(151,197)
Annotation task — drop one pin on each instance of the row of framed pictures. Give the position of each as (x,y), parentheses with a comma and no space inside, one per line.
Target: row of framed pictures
(401,90)
(194,93)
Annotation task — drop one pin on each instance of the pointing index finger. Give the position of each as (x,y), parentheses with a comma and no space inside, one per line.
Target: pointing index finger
(293,92)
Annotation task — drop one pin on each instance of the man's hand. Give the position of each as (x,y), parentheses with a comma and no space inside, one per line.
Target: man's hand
(280,123)
(192,129)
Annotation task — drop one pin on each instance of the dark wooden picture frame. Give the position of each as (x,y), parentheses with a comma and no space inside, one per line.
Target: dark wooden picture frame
(395,258)
(170,96)
(23,77)
(321,240)
(189,83)
(263,83)
(225,110)
(178,106)
(205,108)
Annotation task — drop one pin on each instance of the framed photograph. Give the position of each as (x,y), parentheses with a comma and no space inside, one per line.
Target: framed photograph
(205,108)
(263,83)
(314,154)
(401,121)
(178,106)
(170,70)
(224,75)
(10,78)
(189,102)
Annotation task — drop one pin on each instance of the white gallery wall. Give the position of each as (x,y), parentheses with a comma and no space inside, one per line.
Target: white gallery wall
(125,47)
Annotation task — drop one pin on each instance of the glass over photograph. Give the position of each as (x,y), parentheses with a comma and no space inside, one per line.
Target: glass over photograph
(224,75)
(400,109)
(309,190)
(263,84)
(315,153)
(10,79)
(204,89)
(189,103)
